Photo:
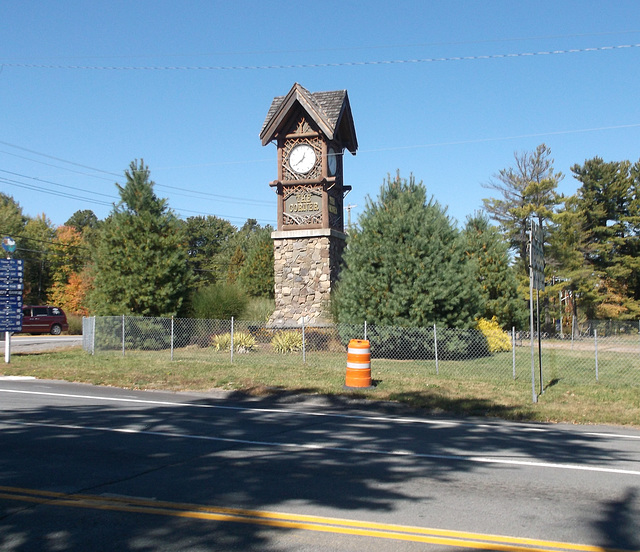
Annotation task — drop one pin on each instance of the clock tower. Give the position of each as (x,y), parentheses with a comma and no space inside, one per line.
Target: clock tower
(311,132)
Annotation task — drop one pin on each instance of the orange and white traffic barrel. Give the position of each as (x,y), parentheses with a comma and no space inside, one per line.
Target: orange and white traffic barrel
(358,364)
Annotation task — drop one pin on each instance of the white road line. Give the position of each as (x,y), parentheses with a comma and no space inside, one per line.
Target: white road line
(238,408)
(297,412)
(326,447)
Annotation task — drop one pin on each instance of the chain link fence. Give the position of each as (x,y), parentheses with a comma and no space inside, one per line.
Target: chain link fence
(600,355)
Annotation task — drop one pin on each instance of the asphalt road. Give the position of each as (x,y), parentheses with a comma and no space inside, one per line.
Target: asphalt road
(38,343)
(94,468)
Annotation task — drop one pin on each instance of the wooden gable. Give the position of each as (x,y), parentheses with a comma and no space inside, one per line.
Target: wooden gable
(330,112)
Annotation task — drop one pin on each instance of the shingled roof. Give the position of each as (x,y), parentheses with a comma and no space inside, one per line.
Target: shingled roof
(329,110)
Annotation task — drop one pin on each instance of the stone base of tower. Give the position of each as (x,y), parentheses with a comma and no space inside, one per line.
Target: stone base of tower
(307,265)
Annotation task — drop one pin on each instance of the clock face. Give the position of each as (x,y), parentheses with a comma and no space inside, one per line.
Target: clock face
(302,158)
(332,162)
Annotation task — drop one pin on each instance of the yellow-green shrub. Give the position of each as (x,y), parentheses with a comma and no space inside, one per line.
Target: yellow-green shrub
(288,341)
(497,339)
(242,342)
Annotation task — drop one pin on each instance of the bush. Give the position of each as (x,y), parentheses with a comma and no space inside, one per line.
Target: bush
(242,342)
(288,341)
(147,334)
(395,342)
(75,324)
(259,309)
(219,302)
(497,339)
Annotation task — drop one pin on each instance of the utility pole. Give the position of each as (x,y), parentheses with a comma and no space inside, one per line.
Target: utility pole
(348,208)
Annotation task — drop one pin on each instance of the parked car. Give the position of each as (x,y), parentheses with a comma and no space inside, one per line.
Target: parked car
(44,319)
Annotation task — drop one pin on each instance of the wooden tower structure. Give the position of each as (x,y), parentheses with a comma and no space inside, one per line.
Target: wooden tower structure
(311,132)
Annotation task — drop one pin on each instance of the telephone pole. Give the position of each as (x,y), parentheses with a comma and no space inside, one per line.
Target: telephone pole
(348,208)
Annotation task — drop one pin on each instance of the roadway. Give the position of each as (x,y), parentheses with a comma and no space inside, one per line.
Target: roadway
(23,343)
(94,468)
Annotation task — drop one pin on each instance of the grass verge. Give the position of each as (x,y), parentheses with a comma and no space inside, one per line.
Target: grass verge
(467,393)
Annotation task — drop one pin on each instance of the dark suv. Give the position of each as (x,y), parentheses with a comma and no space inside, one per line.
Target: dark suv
(44,319)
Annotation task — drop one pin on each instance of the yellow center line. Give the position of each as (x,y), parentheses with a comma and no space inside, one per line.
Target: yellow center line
(295,521)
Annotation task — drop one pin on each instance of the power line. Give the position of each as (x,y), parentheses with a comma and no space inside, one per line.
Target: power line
(199,193)
(315,65)
(54,166)
(56,184)
(214,196)
(52,192)
(58,159)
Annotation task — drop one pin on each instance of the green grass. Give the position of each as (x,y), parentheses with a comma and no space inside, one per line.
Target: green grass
(480,387)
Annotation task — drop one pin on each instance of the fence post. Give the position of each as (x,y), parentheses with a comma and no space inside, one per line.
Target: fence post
(232,339)
(595,338)
(365,330)
(93,336)
(513,349)
(123,335)
(172,338)
(435,348)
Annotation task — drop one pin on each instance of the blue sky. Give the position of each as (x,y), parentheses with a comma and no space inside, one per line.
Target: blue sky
(86,87)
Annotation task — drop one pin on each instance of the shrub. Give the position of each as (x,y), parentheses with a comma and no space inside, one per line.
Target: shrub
(316,339)
(395,342)
(75,324)
(219,302)
(288,341)
(146,334)
(259,309)
(242,342)
(497,339)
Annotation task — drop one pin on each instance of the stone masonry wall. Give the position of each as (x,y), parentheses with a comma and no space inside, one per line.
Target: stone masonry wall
(306,269)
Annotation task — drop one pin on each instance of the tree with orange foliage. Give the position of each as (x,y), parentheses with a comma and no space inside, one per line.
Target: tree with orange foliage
(69,259)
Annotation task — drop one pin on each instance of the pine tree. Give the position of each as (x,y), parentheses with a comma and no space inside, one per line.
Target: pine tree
(256,273)
(405,264)
(207,238)
(12,220)
(36,244)
(486,247)
(607,208)
(140,258)
(528,192)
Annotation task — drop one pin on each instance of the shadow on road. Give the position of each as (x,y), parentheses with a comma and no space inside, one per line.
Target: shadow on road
(278,452)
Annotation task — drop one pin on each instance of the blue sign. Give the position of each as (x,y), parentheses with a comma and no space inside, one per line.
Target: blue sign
(11,286)
(5,293)
(11,263)
(8,244)
(10,300)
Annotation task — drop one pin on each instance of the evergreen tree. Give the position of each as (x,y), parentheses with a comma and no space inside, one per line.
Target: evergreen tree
(35,246)
(528,192)
(256,273)
(569,276)
(486,247)
(406,265)
(607,210)
(81,220)
(12,221)
(207,238)
(140,258)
